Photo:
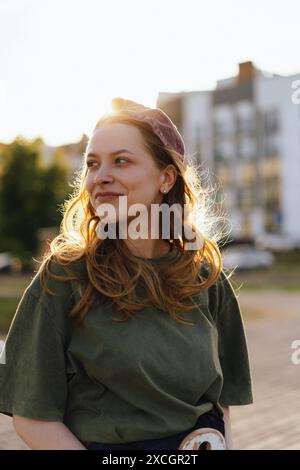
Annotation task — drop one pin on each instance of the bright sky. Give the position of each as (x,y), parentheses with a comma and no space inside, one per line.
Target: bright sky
(62,61)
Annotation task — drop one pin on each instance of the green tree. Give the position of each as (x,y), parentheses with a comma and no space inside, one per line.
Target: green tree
(29,197)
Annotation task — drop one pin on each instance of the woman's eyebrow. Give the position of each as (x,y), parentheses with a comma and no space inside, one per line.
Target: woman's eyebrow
(116,152)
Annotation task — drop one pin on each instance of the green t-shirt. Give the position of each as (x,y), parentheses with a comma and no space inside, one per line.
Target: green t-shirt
(146,378)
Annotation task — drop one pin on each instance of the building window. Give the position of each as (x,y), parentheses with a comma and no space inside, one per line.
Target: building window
(271,147)
(245,118)
(225,150)
(224,122)
(271,121)
(247,148)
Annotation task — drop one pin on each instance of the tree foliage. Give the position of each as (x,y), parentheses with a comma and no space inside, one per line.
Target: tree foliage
(30,196)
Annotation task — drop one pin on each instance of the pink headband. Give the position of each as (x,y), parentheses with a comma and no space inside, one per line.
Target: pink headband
(161,124)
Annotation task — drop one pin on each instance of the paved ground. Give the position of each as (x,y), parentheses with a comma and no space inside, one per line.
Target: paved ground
(273,421)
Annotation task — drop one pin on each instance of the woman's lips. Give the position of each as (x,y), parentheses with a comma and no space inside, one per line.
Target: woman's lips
(107,197)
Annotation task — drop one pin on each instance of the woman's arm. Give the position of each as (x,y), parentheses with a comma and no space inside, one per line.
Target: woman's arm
(228,434)
(45,435)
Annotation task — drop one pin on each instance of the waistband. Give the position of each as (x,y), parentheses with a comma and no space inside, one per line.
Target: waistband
(210,419)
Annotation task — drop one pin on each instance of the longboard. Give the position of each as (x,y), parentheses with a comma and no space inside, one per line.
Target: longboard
(209,438)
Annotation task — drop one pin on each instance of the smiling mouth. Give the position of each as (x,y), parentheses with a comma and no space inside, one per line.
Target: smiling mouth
(106,197)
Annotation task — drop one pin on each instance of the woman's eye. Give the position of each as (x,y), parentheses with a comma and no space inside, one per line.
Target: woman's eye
(122,158)
(89,164)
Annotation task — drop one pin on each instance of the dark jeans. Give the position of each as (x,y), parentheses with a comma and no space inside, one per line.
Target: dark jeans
(211,419)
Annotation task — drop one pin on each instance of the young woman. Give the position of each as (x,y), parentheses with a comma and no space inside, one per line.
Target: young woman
(123,341)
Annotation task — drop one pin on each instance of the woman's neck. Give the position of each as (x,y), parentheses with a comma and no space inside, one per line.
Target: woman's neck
(148,248)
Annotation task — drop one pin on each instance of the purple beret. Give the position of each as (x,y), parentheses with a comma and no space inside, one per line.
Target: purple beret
(161,124)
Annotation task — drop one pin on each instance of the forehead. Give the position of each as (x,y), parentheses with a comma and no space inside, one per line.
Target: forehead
(110,137)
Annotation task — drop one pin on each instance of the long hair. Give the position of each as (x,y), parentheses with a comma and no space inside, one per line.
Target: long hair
(112,271)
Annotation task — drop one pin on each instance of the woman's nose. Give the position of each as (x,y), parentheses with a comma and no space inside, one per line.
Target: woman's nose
(103,175)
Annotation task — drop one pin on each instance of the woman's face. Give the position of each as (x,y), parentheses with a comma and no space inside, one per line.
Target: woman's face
(131,172)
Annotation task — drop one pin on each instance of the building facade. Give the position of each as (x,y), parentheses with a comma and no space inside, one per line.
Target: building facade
(247,133)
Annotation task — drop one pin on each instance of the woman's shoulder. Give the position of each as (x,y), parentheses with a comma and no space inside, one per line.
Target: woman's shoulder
(221,291)
(56,276)
(221,280)
(55,287)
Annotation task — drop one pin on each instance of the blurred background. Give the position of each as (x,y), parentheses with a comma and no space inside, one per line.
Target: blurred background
(228,75)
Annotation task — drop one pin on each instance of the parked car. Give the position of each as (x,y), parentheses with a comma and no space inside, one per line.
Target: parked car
(246,257)
(9,263)
(277,242)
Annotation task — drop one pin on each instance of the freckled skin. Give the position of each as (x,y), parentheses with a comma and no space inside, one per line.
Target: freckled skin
(135,176)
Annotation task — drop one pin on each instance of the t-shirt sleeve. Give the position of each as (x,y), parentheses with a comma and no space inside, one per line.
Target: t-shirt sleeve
(232,347)
(33,380)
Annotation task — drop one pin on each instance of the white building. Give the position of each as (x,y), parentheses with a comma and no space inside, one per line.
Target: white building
(247,132)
